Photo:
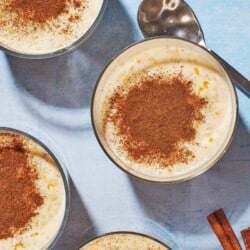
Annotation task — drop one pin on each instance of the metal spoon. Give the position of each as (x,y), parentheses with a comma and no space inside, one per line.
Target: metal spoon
(176,18)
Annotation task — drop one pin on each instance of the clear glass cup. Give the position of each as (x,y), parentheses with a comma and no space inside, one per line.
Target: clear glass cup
(126,233)
(47,146)
(121,66)
(76,43)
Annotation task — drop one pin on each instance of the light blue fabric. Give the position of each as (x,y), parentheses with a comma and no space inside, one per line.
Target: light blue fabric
(53,98)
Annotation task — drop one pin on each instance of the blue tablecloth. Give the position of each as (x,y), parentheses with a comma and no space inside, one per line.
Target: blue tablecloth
(53,97)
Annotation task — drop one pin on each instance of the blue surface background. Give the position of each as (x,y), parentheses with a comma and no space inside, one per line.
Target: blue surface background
(53,97)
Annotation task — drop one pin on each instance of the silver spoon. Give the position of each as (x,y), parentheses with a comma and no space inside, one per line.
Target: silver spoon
(176,18)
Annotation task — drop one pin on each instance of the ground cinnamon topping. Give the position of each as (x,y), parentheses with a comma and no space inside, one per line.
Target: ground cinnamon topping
(19,197)
(77,3)
(155,118)
(37,11)
(40,12)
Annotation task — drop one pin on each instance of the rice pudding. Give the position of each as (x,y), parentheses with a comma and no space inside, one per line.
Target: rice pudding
(33,197)
(124,241)
(42,27)
(133,84)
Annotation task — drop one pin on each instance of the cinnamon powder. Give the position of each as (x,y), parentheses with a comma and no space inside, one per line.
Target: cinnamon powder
(155,118)
(38,13)
(19,197)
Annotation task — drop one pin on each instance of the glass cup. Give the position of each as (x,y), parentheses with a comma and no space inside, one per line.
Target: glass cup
(57,43)
(124,238)
(177,57)
(52,177)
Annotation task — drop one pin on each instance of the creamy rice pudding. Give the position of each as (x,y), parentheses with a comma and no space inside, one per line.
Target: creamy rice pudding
(41,27)
(33,197)
(164,110)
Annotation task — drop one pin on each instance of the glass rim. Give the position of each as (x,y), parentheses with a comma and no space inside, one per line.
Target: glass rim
(67,49)
(63,172)
(187,176)
(122,232)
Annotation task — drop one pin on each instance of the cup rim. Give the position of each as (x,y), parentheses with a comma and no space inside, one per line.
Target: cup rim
(63,172)
(69,48)
(198,172)
(123,232)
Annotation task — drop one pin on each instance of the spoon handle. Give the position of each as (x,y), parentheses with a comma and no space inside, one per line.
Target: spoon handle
(241,82)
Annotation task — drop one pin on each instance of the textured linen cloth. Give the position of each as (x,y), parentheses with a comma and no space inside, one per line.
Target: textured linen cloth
(52,97)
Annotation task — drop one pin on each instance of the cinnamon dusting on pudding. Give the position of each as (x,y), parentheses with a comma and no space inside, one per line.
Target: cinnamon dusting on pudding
(155,118)
(37,14)
(19,196)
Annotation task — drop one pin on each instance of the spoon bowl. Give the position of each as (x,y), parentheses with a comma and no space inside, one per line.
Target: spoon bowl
(172,18)
(175,18)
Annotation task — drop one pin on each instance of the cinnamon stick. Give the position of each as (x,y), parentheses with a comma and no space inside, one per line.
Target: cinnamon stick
(222,228)
(246,237)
